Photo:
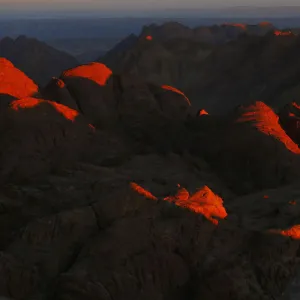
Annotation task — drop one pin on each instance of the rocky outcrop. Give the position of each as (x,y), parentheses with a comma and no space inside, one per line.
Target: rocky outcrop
(14,82)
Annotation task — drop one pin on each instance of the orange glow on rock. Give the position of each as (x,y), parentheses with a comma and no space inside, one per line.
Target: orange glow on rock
(292,115)
(140,190)
(292,232)
(267,122)
(182,195)
(265,23)
(59,82)
(283,33)
(293,202)
(239,25)
(266,197)
(149,38)
(29,102)
(203,112)
(295,105)
(170,88)
(96,72)
(14,82)
(92,127)
(204,202)
(25,103)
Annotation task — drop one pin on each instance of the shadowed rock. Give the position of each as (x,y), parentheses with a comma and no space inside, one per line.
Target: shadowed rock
(37,137)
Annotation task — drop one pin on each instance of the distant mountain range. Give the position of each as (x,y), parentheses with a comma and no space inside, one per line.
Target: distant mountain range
(215,66)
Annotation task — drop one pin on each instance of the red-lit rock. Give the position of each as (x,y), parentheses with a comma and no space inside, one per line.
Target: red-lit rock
(170,88)
(202,112)
(267,122)
(250,149)
(14,82)
(289,117)
(204,202)
(96,72)
(283,33)
(238,25)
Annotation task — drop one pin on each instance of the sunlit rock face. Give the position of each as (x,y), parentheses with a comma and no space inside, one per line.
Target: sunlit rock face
(37,135)
(96,72)
(14,82)
(267,122)
(241,149)
(202,112)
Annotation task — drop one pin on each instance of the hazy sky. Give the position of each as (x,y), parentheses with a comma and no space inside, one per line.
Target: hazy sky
(134,4)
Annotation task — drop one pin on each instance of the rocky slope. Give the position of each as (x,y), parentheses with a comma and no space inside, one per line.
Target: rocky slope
(114,188)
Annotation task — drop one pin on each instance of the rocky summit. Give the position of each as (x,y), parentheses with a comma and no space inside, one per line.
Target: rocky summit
(115,187)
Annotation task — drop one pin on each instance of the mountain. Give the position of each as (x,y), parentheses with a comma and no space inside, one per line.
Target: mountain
(122,46)
(265,68)
(84,49)
(161,60)
(112,187)
(38,60)
(212,34)
(223,64)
